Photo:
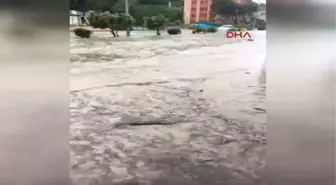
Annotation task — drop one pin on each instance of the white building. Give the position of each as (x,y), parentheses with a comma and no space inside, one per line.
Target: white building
(77,18)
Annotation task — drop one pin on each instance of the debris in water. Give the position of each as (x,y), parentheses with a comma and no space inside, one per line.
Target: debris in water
(226,141)
(207,160)
(259,109)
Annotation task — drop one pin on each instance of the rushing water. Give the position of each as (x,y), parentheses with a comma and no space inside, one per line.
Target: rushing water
(183,109)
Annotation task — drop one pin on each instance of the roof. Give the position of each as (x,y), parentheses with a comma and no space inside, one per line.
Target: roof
(75,13)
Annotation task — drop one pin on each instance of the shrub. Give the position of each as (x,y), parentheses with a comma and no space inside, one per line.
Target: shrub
(212,29)
(98,20)
(155,23)
(174,31)
(244,26)
(177,23)
(114,22)
(82,33)
(191,27)
(199,30)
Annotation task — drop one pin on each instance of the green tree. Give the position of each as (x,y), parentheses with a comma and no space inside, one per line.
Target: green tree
(147,8)
(232,8)
(124,21)
(112,21)
(173,14)
(177,23)
(98,20)
(155,23)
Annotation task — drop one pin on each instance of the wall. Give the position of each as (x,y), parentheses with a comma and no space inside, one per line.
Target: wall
(196,11)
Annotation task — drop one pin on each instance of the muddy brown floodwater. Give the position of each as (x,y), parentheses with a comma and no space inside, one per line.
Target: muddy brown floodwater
(169,110)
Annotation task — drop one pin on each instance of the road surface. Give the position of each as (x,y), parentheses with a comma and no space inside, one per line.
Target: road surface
(167,110)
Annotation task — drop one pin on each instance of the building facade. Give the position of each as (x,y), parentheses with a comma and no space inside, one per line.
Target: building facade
(77,18)
(197,11)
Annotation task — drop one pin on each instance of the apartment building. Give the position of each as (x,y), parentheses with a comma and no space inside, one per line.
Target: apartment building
(196,11)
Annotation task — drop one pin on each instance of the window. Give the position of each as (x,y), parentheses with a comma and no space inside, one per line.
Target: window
(193,15)
(193,9)
(203,15)
(204,9)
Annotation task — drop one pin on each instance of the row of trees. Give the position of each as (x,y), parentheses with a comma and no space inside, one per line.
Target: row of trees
(155,23)
(112,21)
(146,11)
(117,21)
(137,8)
(105,5)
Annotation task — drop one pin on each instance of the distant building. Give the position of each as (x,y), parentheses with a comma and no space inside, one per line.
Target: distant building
(77,18)
(196,11)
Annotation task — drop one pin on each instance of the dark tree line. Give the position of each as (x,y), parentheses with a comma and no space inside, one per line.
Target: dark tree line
(103,5)
(233,8)
(230,7)
(147,8)
(137,8)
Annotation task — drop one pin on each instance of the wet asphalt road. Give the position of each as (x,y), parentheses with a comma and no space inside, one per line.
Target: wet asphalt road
(169,110)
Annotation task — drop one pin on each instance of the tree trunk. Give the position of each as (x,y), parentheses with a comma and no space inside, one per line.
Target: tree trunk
(113,33)
(235,19)
(158,31)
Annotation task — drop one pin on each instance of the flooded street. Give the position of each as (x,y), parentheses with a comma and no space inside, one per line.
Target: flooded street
(167,110)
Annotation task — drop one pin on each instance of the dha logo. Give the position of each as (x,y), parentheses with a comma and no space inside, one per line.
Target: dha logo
(235,34)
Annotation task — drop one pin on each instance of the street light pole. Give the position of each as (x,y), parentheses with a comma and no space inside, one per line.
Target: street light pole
(127,13)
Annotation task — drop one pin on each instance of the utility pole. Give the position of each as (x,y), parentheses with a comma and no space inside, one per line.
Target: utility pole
(127,13)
